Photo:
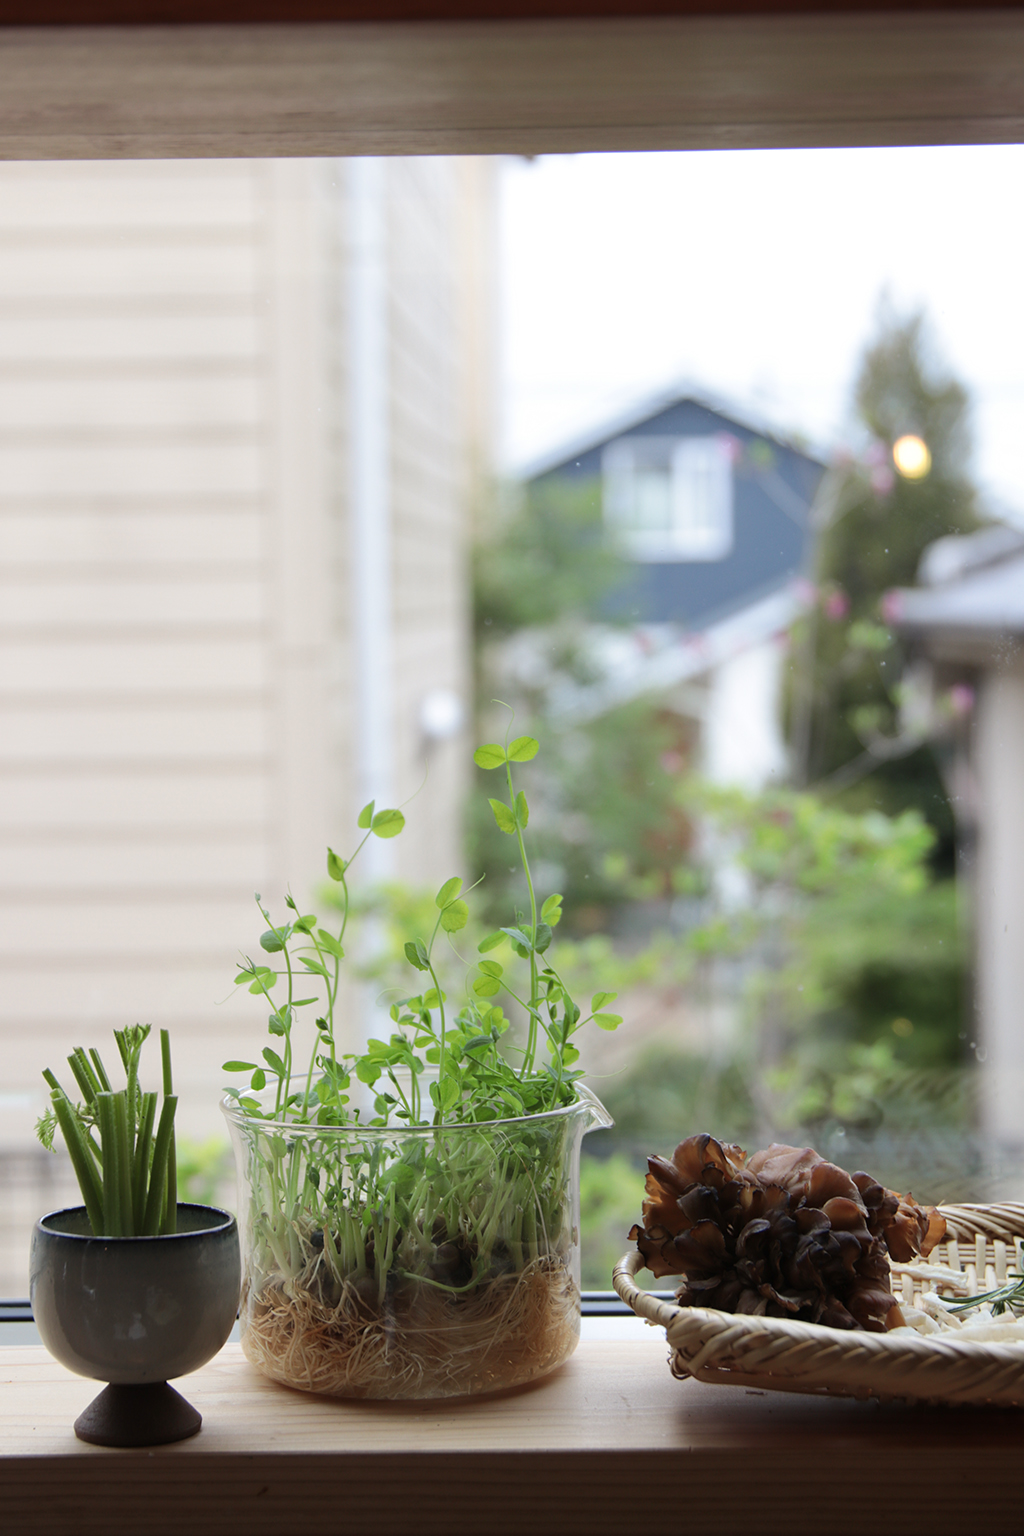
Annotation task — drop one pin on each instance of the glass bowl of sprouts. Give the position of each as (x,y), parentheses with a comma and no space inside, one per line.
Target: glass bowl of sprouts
(409,1213)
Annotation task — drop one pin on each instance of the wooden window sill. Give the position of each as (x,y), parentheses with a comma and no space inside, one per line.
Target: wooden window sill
(610,1443)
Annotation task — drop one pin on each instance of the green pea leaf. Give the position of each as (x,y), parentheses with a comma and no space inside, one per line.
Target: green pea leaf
(239,1066)
(523,749)
(455,916)
(272,1059)
(492,968)
(416,954)
(330,943)
(551,911)
(365,818)
(368,1071)
(274,940)
(258,1080)
(518,937)
(601,999)
(492,941)
(306,924)
(478,1043)
(522,810)
(313,965)
(387,824)
(445,1094)
(335,867)
(543,938)
(570,1055)
(450,889)
(503,816)
(490,756)
(486,986)
(608,1021)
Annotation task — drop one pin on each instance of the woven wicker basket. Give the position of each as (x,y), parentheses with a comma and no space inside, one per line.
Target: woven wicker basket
(983,1243)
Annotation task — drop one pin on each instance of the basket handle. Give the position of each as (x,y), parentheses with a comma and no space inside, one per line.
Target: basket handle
(1003,1222)
(662,1313)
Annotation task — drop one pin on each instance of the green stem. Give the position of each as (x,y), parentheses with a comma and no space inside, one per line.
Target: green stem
(101,1072)
(143,1148)
(124,1162)
(531,1042)
(330,1026)
(170,1217)
(81,1156)
(439,1114)
(85,1077)
(162,1149)
(112,1220)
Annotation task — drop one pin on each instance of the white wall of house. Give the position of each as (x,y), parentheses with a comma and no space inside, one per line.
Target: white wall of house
(741,740)
(999,892)
(177,703)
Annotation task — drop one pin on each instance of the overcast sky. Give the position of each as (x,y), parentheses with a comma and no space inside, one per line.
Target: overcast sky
(757,275)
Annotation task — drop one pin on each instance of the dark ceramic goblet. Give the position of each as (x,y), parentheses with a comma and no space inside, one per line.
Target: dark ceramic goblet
(134,1311)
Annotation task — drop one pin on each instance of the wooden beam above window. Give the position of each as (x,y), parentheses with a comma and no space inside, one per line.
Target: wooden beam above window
(86,13)
(526,87)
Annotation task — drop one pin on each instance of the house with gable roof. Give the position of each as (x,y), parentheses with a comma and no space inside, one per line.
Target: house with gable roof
(713,511)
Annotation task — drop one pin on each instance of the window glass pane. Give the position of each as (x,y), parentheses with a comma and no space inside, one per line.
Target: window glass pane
(826,663)
(702,498)
(653,500)
(305,464)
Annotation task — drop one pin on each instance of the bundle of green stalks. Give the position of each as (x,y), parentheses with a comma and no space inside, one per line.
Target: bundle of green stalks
(121,1149)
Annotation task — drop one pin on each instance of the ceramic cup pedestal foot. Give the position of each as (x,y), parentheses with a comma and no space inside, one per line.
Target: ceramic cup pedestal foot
(153,1414)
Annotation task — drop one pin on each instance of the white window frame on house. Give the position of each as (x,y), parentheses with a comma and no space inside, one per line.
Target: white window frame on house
(670,498)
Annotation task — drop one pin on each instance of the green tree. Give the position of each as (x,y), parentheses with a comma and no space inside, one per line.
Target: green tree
(544,561)
(875,525)
(605,820)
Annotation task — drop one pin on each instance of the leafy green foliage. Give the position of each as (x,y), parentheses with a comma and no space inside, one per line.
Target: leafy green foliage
(605,819)
(865,944)
(611,1193)
(122,1153)
(848,663)
(205,1171)
(545,561)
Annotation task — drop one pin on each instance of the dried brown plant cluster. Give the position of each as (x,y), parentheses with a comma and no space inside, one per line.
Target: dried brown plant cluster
(783,1233)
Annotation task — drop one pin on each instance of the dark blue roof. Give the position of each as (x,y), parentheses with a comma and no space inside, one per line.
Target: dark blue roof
(773,488)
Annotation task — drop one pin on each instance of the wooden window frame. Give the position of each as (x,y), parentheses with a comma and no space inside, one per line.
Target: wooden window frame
(143,78)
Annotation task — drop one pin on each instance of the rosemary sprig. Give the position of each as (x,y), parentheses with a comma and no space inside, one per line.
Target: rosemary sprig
(1010,1295)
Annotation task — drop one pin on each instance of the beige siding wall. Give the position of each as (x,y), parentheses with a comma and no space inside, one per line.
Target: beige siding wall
(430,487)
(176,701)
(135,702)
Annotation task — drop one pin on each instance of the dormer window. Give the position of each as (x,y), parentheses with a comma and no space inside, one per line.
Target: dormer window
(670,498)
